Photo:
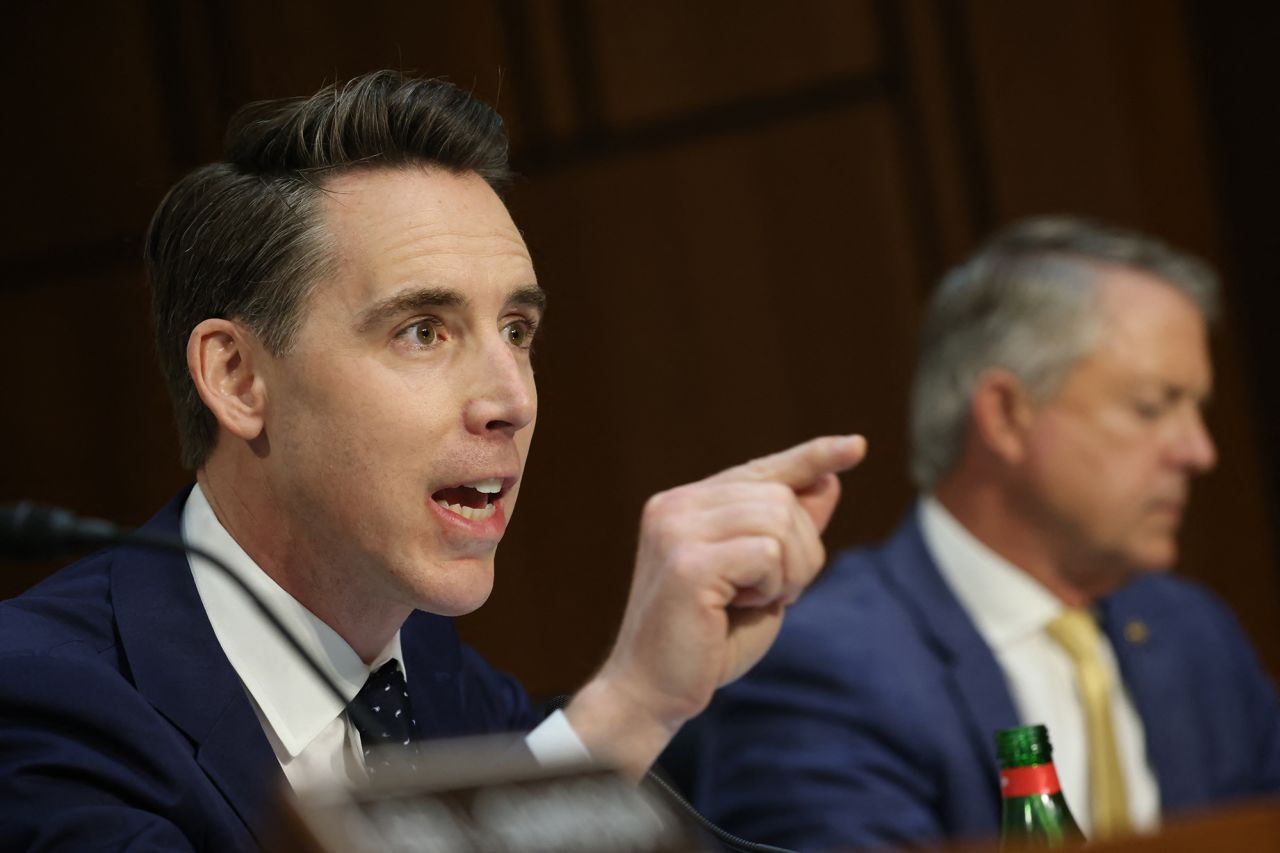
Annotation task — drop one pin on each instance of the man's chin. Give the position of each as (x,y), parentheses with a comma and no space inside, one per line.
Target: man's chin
(455,607)
(1153,557)
(456,588)
(1111,571)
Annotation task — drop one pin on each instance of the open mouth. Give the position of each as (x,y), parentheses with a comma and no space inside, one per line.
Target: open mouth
(474,501)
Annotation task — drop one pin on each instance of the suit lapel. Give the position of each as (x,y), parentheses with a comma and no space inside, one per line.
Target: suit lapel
(974,678)
(177,663)
(1154,673)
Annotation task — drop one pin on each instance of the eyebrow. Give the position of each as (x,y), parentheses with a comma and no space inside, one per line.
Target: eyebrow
(424,298)
(529,296)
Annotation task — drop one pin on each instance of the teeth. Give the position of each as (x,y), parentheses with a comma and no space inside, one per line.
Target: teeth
(469,512)
(491,486)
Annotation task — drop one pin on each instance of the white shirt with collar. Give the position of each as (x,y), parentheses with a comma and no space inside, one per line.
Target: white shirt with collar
(312,736)
(1011,611)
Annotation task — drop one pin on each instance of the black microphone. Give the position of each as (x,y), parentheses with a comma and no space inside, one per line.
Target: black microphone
(29,531)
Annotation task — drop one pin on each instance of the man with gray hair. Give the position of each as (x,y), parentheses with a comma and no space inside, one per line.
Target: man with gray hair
(1056,427)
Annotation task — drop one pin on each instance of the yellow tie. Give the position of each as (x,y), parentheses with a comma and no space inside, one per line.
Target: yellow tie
(1077,632)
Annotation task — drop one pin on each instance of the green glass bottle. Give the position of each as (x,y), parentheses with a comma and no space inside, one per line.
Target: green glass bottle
(1034,814)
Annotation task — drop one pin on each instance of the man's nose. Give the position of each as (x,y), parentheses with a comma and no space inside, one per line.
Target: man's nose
(501,394)
(1195,446)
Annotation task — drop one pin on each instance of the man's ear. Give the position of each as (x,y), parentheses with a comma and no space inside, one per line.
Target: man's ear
(1002,412)
(222,357)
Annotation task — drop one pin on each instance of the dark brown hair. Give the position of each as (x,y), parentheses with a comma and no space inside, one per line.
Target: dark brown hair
(243,240)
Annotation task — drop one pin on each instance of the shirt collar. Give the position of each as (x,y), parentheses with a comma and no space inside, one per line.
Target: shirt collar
(1006,603)
(291,699)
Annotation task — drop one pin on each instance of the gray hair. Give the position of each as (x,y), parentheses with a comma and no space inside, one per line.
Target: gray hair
(1026,302)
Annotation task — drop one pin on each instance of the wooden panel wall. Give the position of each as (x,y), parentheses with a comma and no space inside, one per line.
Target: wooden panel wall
(738,210)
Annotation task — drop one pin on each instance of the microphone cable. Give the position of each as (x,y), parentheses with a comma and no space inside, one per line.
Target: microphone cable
(32,532)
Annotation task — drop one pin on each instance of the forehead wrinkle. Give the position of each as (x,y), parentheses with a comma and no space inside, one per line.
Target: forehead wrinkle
(449,238)
(1128,363)
(460,258)
(359,223)
(385,236)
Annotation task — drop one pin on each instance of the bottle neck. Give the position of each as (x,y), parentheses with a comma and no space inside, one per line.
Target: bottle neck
(1031,781)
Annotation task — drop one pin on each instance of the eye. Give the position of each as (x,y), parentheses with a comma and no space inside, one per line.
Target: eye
(424,333)
(1152,408)
(1147,410)
(520,333)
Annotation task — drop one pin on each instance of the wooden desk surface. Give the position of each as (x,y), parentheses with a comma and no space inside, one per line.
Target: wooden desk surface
(1249,828)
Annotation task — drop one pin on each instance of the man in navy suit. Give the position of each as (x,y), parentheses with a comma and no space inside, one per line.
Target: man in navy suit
(344,311)
(1056,428)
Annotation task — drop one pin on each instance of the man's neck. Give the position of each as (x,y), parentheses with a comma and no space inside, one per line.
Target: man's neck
(266,533)
(1004,525)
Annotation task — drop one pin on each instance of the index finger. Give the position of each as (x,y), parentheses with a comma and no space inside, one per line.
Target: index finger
(803,465)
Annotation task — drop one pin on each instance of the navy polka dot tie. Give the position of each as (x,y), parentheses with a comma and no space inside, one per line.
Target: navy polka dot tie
(387,721)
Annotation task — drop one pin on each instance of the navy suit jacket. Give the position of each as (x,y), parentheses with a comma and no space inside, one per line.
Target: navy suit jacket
(870,723)
(123,725)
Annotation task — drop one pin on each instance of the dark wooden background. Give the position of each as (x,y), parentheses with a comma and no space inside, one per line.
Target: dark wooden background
(738,208)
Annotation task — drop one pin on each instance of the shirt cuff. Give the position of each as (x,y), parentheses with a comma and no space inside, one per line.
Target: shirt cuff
(555,743)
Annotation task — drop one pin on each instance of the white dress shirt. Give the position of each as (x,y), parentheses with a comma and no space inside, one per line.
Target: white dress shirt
(308,728)
(1011,611)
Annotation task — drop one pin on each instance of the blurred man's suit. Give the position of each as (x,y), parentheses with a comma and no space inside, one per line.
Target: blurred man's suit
(161,724)
(871,720)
